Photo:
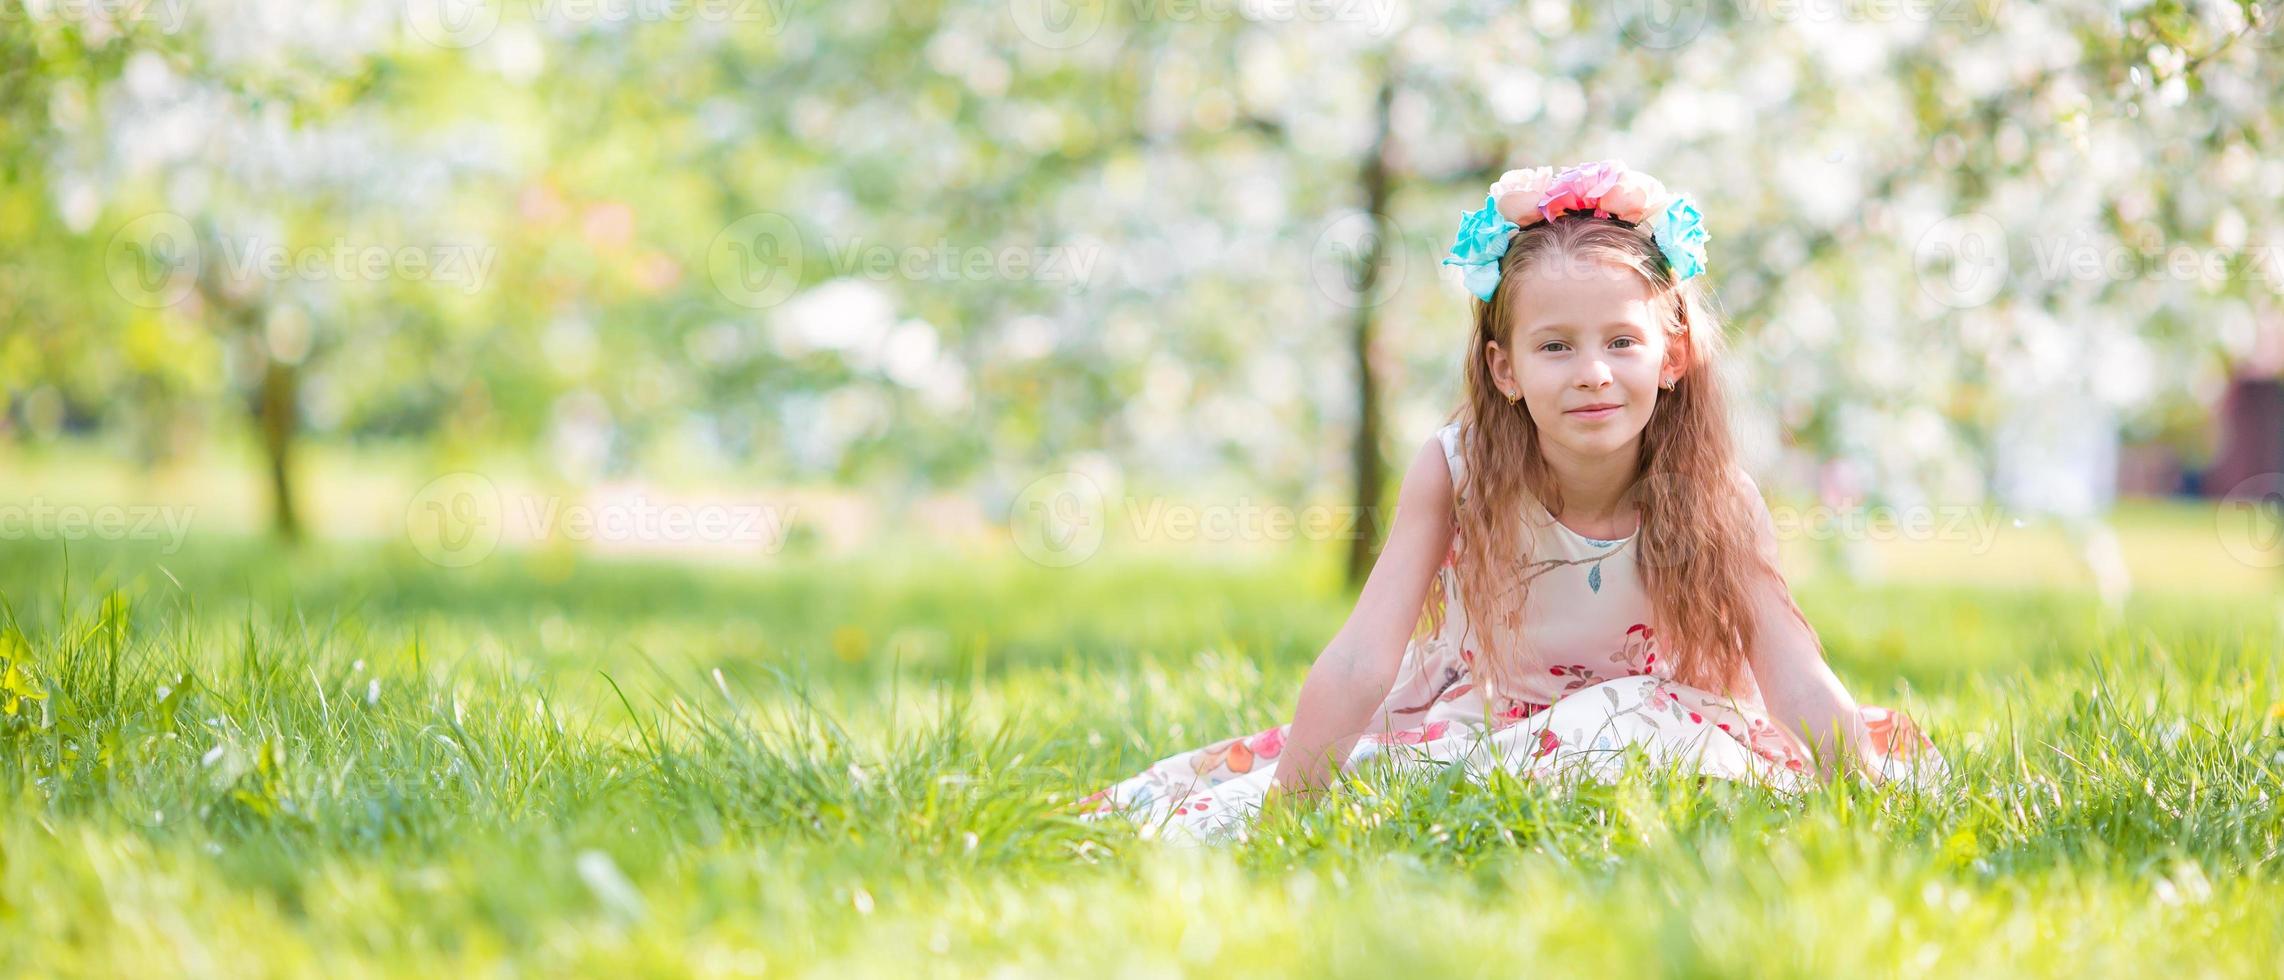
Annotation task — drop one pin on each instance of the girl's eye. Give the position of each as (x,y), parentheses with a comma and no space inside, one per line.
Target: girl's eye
(1550,345)
(1628,340)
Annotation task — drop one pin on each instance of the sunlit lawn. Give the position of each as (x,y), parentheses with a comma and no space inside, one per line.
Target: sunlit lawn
(345,760)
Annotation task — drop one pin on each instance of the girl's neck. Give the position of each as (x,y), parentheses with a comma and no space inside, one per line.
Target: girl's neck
(1594,488)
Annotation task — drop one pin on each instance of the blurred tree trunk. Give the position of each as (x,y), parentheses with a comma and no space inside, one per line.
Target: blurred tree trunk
(276,402)
(281,384)
(1368,469)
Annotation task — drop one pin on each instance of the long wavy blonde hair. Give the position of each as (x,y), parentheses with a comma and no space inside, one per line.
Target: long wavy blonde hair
(1697,553)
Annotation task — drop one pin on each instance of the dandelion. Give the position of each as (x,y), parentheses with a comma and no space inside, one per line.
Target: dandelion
(850,643)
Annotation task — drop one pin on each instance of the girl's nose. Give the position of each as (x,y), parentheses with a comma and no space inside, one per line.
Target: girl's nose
(1594,373)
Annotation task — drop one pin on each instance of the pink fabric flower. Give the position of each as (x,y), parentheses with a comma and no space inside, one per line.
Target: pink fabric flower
(1633,196)
(1518,193)
(1580,188)
(1414,736)
(1269,743)
(1525,709)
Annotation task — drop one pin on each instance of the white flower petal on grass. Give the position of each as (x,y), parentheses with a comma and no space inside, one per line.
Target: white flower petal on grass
(609,884)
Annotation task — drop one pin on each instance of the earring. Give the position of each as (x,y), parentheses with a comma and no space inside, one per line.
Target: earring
(1667,384)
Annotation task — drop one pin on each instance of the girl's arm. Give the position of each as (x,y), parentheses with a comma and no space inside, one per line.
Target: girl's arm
(1354,673)
(1799,688)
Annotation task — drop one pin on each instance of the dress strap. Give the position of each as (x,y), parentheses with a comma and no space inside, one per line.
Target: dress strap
(1449,435)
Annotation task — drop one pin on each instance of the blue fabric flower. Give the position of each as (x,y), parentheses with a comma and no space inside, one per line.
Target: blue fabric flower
(1482,242)
(1680,233)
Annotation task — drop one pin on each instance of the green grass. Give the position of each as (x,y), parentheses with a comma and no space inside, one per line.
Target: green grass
(341,759)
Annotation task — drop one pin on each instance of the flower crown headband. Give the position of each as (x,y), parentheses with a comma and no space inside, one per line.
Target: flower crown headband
(1607,189)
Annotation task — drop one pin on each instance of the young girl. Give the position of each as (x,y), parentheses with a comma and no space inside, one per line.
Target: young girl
(1603,574)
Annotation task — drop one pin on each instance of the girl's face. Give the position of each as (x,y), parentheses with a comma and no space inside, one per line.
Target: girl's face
(1589,351)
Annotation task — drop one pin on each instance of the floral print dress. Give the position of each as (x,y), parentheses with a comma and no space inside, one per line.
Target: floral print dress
(1598,686)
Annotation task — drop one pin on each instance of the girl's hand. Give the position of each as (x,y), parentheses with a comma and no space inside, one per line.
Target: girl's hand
(1280,798)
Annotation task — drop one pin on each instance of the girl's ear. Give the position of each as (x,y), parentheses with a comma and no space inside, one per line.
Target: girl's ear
(1502,370)
(1677,358)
